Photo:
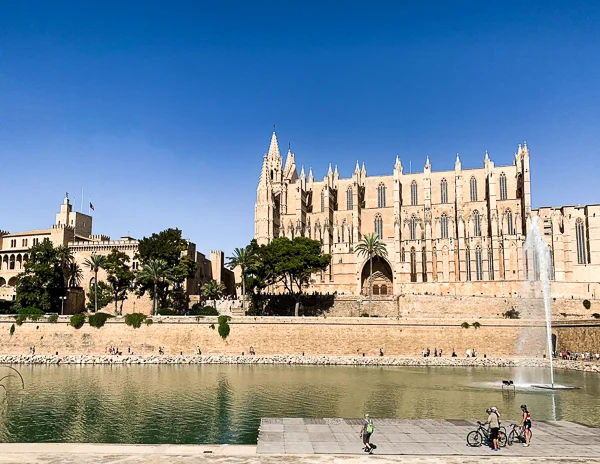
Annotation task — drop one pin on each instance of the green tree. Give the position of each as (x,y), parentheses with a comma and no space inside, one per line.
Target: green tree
(292,262)
(370,246)
(75,275)
(99,297)
(246,259)
(95,262)
(65,258)
(213,290)
(156,271)
(168,246)
(42,281)
(118,275)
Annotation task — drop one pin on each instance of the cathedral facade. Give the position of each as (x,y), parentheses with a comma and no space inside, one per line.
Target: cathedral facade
(458,226)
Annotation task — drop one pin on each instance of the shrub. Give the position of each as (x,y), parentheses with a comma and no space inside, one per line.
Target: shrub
(12,330)
(587,304)
(512,314)
(135,320)
(596,316)
(224,328)
(19,320)
(208,311)
(364,315)
(212,326)
(77,320)
(476,325)
(168,312)
(465,325)
(33,314)
(53,318)
(148,321)
(97,320)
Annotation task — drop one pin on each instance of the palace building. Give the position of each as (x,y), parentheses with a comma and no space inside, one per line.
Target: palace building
(74,229)
(443,230)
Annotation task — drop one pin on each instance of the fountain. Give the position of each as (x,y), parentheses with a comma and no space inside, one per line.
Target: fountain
(542,268)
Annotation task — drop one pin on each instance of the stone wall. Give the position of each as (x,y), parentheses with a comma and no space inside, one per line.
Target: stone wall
(327,336)
(466,308)
(578,336)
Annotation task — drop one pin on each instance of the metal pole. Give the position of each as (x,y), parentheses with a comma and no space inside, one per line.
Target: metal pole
(62,305)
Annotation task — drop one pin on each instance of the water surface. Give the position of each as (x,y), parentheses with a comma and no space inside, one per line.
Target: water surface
(224,403)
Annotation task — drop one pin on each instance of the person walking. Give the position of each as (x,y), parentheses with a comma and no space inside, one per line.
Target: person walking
(526,423)
(494,422)
(365,433)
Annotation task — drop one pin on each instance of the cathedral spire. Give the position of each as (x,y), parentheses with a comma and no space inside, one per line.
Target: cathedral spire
(427,163)
(302,173)
(329,171)
(274,147)
(311,178)
(457,165)
(357,168)
(398,164)
(363,171)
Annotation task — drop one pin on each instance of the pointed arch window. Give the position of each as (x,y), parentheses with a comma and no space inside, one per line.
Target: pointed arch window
(503,190)
(444,225)
(580,239)
(379,227)
(490,257)
(349,199)
(413,265)
(413,228)
(468,263)
(424,259)
(473,184)
(403,255)
(509,222)
(322,200)
(344,226)
(478,264)
(476,224)
(381,196)
(414,198)
(444,191)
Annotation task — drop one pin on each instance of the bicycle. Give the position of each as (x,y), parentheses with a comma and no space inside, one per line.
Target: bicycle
(517,435)
(482,435)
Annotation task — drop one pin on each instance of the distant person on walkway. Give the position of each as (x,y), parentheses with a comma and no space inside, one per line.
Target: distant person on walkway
(494,421)
(526,423)
(365,433)
(380,351)
(198,351)
(252,353)
(454,355)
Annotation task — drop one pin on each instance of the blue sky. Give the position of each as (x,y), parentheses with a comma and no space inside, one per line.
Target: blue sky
(162,111)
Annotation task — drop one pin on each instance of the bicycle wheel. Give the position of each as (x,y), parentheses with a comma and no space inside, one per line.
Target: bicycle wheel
(474,438)
(502,439)
(512,438)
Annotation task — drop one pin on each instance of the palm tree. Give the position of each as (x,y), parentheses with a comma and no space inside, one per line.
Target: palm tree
(246,260)
(213,290)
(75,275)
(157,271)
(65,257)
(95,262)
(371,247)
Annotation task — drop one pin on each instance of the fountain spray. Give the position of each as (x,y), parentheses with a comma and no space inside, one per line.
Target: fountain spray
(535,242)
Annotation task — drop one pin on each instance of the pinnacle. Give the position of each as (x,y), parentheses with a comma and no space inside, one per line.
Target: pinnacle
(274,147)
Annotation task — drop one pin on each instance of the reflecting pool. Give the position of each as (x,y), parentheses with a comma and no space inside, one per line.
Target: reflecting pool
(224,403)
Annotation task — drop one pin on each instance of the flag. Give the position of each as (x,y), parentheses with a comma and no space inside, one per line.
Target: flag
(91,206)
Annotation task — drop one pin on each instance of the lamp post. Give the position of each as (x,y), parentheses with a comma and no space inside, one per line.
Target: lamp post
(62,305)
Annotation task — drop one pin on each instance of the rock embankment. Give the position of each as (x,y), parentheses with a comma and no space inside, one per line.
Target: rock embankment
(300,360)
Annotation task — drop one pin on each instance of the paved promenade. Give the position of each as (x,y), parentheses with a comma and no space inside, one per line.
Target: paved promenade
(421,437)
(69,453)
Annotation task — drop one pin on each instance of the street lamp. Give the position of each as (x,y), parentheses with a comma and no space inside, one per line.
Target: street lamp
(62,304)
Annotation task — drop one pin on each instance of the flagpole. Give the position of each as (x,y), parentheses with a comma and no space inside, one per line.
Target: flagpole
(81,200)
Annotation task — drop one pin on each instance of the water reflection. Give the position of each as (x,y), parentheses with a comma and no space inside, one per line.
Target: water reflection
(224,404)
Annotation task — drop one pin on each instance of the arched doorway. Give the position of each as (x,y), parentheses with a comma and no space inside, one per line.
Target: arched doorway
(383,277)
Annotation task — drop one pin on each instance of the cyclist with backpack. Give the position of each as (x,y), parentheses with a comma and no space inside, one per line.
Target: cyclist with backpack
(526,424)
(494,422)
(365,434)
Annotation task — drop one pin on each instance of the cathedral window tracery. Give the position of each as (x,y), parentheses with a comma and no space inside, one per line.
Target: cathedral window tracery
(503,190)
(444,225)
(473,183)
(580,239)
(379,226)
(478,264)
(414,199)
(490,255)
(509,222)
(476,224)
(413,227)
(444,191)
(381,196)
(349,199)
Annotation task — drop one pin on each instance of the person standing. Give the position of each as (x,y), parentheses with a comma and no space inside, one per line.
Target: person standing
(494,421)
(526,423)
(365,433)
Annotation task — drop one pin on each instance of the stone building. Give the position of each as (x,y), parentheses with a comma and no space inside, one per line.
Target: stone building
(74,229)
(461,229)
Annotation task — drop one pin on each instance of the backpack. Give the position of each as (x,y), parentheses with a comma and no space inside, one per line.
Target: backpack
(369,426)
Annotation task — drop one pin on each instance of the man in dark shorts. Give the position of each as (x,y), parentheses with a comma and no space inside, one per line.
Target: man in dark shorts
(365,434)
(494,421)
